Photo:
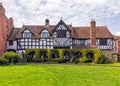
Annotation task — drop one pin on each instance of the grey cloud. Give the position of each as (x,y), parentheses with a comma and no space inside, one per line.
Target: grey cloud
(79,12)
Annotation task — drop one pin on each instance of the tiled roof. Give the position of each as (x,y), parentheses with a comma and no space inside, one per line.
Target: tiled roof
(13,33)
(103,32)
(117,37)
(34,29)
(84,32)
(76,32)
(81,32)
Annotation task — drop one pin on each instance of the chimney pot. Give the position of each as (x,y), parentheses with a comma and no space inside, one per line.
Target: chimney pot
(0,3)
(47,22)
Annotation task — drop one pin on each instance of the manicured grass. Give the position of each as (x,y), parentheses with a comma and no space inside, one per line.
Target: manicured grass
(59,75)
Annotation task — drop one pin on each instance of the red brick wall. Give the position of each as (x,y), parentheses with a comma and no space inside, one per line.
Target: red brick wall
(115,46)
(5,28)
(118,46)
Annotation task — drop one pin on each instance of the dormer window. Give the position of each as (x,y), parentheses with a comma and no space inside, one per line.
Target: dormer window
(45,34)
(27,34)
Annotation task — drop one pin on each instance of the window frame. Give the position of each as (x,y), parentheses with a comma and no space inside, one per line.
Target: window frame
(27,34)
(61,34)
(44,34)
(10,42)
(103,41)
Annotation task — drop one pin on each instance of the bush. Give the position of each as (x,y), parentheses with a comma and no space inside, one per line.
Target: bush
(30,54)
(40,60)
(83,60)
(103,60)
(68,55)
(3,61)
(43,53)
(37,55)
(56,55)
(12,57)
(92,55)
(78,54)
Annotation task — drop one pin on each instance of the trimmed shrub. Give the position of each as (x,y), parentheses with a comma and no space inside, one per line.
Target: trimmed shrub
(12,57)
(83,60)
(78,54)
(30,54)
(37,55)
(65,55)
(103,60)
(40,59)
(56,55)
(43,53)
(92,55)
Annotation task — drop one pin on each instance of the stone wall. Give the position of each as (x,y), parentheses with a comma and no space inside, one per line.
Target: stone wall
(109,53)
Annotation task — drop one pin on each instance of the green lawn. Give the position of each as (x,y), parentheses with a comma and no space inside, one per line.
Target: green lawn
(60,75)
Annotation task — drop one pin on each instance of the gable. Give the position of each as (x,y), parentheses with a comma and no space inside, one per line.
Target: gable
(26,31)
(44,30)
(60,26)
(44,33)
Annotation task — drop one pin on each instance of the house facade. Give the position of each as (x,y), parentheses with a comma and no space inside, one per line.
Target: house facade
(61,35)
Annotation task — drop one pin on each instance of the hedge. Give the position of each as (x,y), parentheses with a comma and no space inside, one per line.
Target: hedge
(65,55)
(37,56)
(97,56)
(57,58)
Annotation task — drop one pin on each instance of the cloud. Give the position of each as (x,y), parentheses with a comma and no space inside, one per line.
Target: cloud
(77,12)
(118,33)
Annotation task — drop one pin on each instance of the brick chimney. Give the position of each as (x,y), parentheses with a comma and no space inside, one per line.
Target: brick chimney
(2,9)
(46,23)
(93,33)
(11,23)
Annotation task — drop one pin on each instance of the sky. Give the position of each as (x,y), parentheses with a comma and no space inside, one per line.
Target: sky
(75,12)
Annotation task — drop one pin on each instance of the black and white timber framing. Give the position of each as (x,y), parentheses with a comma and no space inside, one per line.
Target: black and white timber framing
(61,37)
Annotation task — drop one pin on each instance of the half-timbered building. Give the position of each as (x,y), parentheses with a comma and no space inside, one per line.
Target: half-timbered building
(60,36)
